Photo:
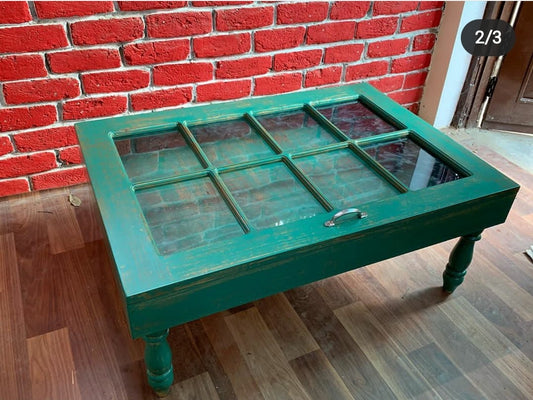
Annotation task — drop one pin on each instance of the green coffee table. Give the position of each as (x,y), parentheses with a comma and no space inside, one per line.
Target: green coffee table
(209,207)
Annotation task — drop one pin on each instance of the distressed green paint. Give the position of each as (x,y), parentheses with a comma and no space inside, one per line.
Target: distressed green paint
(158,360)
(460,259)
(164,290)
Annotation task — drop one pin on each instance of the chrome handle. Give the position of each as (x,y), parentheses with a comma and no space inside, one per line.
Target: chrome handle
(346,211)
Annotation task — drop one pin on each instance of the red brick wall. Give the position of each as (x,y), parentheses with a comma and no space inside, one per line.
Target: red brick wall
(61,62)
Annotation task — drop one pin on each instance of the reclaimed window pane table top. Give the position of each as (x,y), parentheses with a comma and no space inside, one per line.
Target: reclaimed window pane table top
(212,206)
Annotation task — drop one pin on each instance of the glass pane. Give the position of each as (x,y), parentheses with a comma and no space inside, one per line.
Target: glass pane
(186,215)
(356,120)
(156,156)
(271,195)
(343,179)
(411,164)
(296,131)
(230,142)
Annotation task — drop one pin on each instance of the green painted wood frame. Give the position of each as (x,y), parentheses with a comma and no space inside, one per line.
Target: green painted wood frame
(161,291)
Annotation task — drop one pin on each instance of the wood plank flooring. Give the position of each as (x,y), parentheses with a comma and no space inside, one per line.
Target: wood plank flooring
(381,332)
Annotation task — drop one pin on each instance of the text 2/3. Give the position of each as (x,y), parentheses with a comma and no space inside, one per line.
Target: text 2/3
(488,37)
(496,36)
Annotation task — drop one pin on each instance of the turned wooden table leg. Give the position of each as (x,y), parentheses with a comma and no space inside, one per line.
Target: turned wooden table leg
(460,259)
(158,359)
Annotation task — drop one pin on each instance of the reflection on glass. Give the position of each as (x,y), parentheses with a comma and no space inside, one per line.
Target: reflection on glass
(296,131)
(411,164)
(186,215)
(230,142)
(356,120)
(156,156)
(343,179)
(270,195)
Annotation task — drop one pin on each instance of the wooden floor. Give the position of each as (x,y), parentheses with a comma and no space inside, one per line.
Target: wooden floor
(380,332)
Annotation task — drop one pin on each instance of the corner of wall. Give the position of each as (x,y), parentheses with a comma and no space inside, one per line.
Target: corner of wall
(449,64)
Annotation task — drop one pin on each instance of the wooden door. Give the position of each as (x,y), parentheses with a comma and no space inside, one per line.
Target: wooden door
(511,107)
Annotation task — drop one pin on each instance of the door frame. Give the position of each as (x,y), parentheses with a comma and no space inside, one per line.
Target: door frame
(478,83)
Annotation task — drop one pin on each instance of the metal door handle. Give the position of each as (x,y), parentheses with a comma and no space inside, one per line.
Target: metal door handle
(346,211)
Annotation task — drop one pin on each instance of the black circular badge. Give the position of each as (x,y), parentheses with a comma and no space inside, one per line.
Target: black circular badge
(488,37)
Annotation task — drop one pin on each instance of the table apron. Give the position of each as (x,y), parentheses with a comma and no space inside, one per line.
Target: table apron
(241,284)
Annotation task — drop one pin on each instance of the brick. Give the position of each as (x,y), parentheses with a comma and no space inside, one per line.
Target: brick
(161,98)
(19,67)
(215,3)
(156,52)
(278,83)
(41,90)
(407,96)
(387,48)
(393,7)
(425,20)
(5,145)
(32,38)
(115,81)
(349,9)
(70,155)
(388,83)
(277,39)
(414,108)
(106,30)
(221,45)
(330,32)
(366,70)
(83,60)
(10,187)
(25,164)
(424,42)
(292,13)
(297,60)
(227,90)
(94,107)
(176,74)
(12,119)
(411,63)
(149,5)
(179,24)
(60,178)
(14,12)
(235,19)
(45,139)
(376,27)
(415,80)
(62,9)
(243,67)
(323,76)
(430,5)
(343,53)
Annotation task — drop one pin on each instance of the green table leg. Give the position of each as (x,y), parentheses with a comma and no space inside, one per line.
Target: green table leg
(460,259)
(158,359)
